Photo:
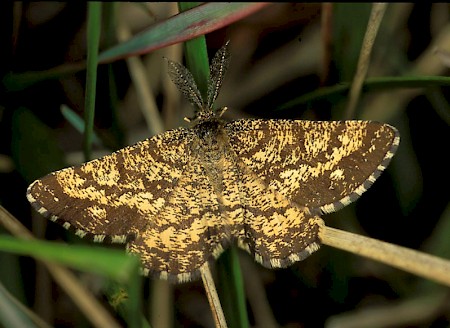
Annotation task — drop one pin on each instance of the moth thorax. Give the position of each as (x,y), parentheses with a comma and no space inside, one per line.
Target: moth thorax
(209,114)
(205,115)
(210,138)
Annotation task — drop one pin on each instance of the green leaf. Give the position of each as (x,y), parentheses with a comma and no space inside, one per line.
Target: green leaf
(203,19)
(21,81)
(93,39)
(196,55)
(232,288)
(371,84)
(107,262)
(77,122)
(198,21)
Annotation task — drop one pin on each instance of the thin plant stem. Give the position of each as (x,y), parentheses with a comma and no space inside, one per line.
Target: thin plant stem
(326,31)
(93,39)
(85,301)
(213,297)
(139,76)
(376,16)
(412,261)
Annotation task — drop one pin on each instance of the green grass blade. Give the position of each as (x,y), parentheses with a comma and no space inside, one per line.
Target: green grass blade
(110,38)
(200,20)
(77,122)
(205,18)
(196,55)
(232,288)
(20,81)
(134,304)
(371,84)
(107,262)
(195,50)
(93,39)
(114,264)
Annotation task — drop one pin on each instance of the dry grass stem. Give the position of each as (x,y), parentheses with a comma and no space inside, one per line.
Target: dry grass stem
(327,36)
(161,309)
(213,297)
(91,308)
(384,106)
(283,64)
(415,262)
(409,313)
(143,89)
(375,19)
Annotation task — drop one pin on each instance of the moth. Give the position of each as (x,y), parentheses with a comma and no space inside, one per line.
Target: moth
(180,198)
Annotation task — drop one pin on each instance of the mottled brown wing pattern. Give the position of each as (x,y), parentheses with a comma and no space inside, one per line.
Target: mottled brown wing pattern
(274,230)
(151,195)
(188,232)
(322,166)
(112,195)
(179,198)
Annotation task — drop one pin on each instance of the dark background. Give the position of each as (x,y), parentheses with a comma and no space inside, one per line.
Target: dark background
(278,54)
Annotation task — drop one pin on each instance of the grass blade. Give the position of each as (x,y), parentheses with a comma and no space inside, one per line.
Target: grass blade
(232,288)
(198,21)
(375,19)
(93,39)
(371,84)
(111,263)
(77,122)
(213,298)
(203,19)
(412,261)
(81,297)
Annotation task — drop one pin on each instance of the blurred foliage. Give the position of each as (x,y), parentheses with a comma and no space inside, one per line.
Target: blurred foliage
(284,54)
